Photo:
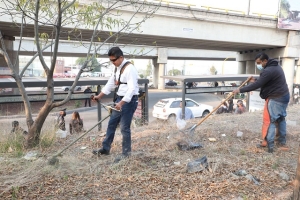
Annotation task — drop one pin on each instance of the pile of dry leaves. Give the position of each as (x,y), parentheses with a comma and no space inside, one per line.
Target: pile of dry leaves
(157,169)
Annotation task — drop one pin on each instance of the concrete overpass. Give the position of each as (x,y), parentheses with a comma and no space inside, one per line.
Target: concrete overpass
(74,49)
(189,28)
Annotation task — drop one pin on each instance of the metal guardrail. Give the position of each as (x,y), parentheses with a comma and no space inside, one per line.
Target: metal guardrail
(173,2)
(261,14)
(224,9)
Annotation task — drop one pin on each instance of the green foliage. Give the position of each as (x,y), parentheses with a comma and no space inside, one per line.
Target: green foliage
(94,65)
(275,164)
(13,144)
(174,72)
(149,69)
(77,103)
(213,70)
(284,9)
(14,192)
(47,140)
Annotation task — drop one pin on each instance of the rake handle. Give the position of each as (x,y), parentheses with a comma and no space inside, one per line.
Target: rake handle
(231,94)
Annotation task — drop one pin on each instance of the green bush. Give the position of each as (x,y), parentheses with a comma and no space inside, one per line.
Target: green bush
(77,104)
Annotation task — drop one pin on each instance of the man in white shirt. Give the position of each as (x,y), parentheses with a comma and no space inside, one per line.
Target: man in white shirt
(125,79)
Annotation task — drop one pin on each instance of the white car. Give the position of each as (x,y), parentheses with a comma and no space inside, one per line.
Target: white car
(67,88)
(167,108)
(86,74)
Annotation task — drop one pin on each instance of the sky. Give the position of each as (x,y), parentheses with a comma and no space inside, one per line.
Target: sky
(265,7)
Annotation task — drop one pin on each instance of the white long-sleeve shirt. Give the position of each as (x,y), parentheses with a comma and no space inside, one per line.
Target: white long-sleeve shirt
(129,76)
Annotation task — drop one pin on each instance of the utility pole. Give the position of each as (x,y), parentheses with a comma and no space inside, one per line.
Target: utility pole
(183,68)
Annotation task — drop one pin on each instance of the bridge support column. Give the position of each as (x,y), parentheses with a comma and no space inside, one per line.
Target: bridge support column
(8,42)
(297,81)
(288,65)
(159,68)
(241,67)
(250,67)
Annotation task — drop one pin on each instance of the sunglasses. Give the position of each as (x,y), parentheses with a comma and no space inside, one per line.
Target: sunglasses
(114,60)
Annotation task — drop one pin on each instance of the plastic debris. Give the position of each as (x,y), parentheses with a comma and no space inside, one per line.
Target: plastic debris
(284,176)
(212,139)
(252,178)
(197,165)
(239,134)
(240,172)
(32,155)
(188,146)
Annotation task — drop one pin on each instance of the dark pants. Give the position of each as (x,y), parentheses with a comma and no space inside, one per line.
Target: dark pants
(87,100)
(124,118)
(274,112)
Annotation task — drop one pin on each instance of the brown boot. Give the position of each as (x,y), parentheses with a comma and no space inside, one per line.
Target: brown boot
(283,147)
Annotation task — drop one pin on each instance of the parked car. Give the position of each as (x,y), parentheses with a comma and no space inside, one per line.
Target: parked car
(86,74)
(97,74)
(171,83)
(167,108)
(150,85)
(67,88)
(57,75)
(69,75)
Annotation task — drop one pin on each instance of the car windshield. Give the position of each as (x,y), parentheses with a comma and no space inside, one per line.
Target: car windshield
(191,104)
(175,104)
(161,103)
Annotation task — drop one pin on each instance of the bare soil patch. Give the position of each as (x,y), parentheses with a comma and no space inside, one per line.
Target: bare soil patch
(157,168)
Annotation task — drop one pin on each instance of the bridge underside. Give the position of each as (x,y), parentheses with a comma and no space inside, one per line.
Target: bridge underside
(140,39)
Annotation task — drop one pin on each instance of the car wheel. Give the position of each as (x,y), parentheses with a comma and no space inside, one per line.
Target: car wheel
(78,89)
(172,118)
(66,89)
(206,112)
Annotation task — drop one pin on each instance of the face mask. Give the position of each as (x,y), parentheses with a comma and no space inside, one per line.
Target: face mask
(259,67)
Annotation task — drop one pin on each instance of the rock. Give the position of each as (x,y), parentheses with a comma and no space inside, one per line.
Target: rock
(32,155)
(212,139)
(197,165)
(240,172)
(252,178)
(10,150)
(284,176)
(239,134)
(177,163)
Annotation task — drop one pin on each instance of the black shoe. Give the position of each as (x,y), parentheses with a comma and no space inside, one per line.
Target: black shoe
(270,150)
(100,151)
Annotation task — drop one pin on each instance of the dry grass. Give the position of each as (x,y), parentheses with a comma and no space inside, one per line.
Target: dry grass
(157,169)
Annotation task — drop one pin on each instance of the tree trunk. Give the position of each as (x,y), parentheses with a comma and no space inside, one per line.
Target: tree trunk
(34,131)
(296,193)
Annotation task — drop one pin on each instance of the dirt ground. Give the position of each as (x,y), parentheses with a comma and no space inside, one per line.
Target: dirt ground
(157,169)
